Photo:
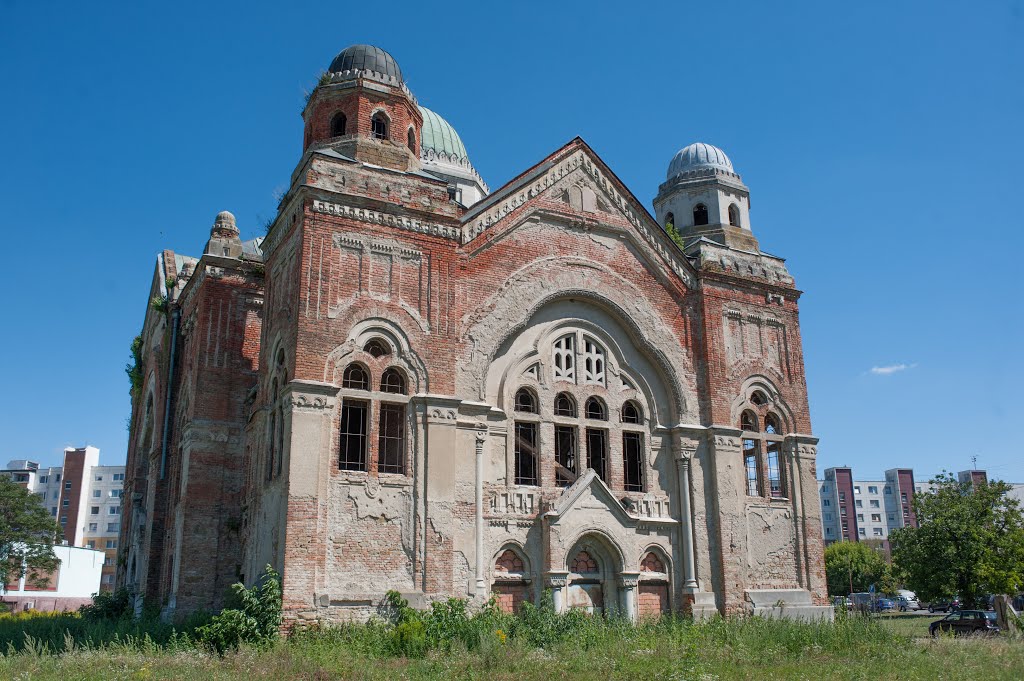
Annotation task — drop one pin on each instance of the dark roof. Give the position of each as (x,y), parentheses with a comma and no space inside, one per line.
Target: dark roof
(366,58)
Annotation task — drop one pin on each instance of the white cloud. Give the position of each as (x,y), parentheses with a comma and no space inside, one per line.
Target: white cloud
(891,369)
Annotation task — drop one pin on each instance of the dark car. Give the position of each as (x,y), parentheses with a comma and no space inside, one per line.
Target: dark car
(944,605)
(966,623)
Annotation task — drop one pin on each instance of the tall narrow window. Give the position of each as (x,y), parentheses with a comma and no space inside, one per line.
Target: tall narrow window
(774,470)
(593,362)
(632,461)
(391,439)
(392,381)
(565,359)
(734,215)
(353,435)
(411,140)
(670,221)
(700,214)
(526,453)
(753,471)
(338,124)
(272,433)
(565,455)
(379,126)
(597,452)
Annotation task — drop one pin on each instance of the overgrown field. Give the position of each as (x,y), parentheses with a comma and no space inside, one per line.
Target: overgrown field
(449,643)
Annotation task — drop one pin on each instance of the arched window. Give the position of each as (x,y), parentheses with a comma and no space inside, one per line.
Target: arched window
(652,563)
(377,348)
(593,362)
(411,140)
(338,124)
(595,409)
(670,221)
(565,405)
(700,214)
(379,125)
(525,401)
(631,413)
(355,378)
(392,381)
(565,359)
(734,215)
(509,563)
(584,564)
(762,449)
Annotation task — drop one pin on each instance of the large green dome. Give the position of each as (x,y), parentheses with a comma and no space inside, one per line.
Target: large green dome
(440,137)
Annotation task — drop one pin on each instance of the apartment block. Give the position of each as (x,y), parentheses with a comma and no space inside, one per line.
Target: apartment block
(83,496)
(856,510)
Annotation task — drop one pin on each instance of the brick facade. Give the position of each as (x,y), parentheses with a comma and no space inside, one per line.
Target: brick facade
(559,284)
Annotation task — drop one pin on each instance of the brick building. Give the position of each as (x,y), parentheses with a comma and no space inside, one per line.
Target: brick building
(415,383)
(83,496)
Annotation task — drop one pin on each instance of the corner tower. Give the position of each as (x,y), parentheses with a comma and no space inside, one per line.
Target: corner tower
(362,109)
(704,197)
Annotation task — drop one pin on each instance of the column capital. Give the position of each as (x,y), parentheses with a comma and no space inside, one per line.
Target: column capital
(438,408)
(310,395)
(629,580)
(556,579)
(803,446)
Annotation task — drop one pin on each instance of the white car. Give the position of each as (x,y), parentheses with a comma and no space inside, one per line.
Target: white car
(907,600)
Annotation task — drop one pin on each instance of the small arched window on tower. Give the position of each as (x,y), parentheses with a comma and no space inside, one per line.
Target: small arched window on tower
(564,405)
(379,125)
(595,409)
(392,381)
(376,348)
(526,402)
(631,413)
(355,378)
(700,214)
(670,222)
(734,215)
(338,124)
(411,140)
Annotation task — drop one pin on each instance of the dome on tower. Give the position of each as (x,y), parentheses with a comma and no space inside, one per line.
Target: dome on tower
(699,156)
(440,137)
(366,58)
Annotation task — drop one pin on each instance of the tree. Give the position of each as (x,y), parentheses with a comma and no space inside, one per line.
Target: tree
(27,533)
(969,541)
(852,567)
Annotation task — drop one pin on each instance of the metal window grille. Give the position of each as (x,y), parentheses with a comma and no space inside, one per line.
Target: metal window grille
(565,455)
(391,439)
(526,453)
(353,436)
(632,461)
(597,452)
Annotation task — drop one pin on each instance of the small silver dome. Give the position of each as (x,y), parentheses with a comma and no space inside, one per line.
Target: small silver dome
(698,156)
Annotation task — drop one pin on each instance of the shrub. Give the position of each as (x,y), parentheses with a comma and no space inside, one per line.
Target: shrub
(109,605)
(254,620)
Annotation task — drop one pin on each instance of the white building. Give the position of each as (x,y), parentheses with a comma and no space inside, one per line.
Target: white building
(71,586)
(83,496)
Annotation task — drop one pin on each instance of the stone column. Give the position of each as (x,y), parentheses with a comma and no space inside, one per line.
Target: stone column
(628,582)
(686,513)
(441,463)
(558,582)
(481,437)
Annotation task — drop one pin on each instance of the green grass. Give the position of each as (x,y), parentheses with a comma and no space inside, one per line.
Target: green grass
(590,648)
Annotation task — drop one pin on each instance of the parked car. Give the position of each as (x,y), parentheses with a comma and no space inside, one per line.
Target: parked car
(966,623)
(884,604)
(904,604)
(841,603)
(912,602)
(944,605)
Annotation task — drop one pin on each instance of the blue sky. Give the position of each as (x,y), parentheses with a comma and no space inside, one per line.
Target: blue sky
(881,143)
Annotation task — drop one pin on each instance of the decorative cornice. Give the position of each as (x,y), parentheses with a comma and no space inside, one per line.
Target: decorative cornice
(387,219)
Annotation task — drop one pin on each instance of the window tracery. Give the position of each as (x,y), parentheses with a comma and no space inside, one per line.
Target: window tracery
(584,563)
